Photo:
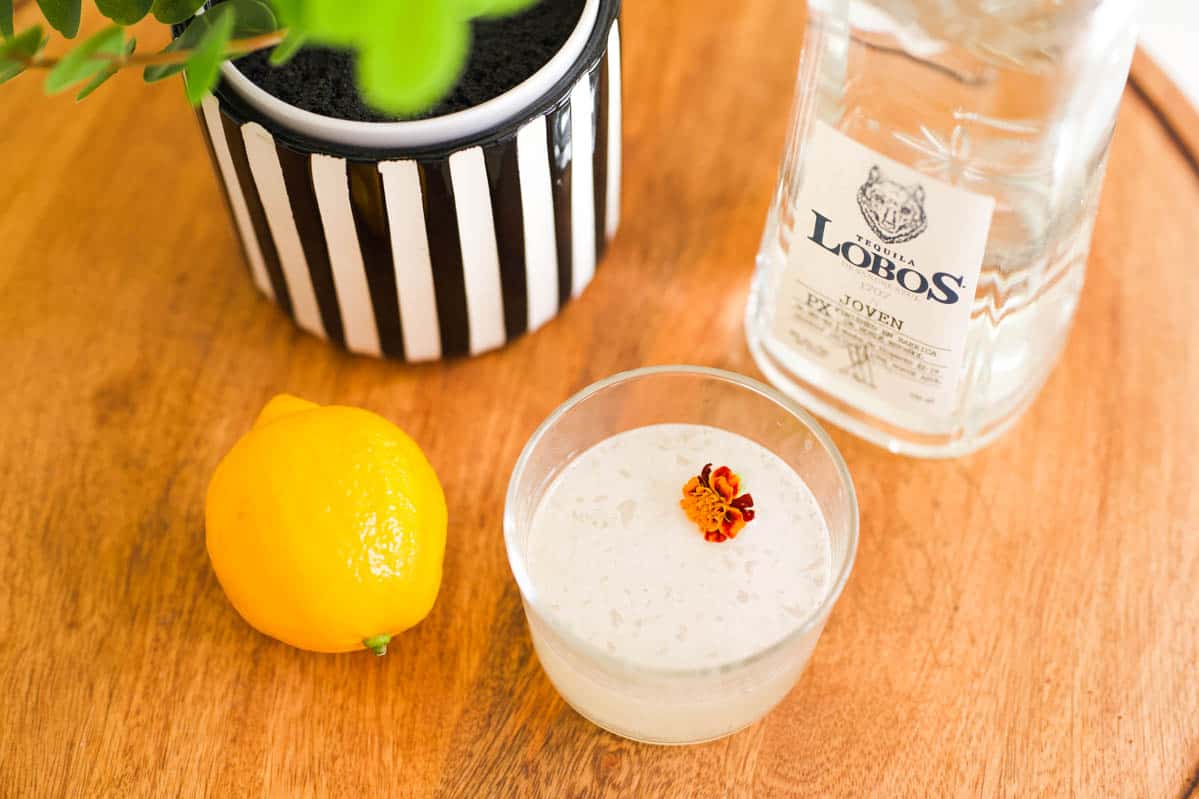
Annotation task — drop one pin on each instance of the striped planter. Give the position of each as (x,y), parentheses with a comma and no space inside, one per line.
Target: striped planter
(437,252)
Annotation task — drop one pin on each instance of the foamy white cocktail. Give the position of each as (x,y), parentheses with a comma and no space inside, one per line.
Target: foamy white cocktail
(644,626)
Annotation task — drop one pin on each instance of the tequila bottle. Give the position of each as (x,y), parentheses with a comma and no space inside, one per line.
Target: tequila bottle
(925,250)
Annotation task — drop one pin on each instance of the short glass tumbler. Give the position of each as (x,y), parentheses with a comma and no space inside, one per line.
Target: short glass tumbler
(684,704)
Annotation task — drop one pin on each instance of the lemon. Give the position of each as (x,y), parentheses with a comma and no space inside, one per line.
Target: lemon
(326,527)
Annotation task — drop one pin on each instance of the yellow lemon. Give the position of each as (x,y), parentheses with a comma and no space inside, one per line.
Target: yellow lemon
(326,527)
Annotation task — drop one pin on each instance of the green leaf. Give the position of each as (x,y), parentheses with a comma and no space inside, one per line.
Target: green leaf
(6,18)
(23,46)
(107,73)
(287,48)
(81,63)
(494,8)
(157,72)
(203,67)
(187,40)
(289,12)
(409,54)
(124,12)
(410,64)
(95,82)
(254,17)
(172,12)
(63,15)
(16,52)
(326,21)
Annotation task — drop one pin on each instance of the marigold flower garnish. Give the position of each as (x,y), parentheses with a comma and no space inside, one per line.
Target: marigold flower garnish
(711,500)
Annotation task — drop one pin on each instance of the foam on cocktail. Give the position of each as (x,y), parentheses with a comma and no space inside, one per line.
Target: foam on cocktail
(615,560)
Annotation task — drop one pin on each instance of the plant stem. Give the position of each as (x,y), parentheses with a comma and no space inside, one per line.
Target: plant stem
(237,47)
(377,644)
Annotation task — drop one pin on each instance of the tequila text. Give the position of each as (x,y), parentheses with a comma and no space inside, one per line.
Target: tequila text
(939,288)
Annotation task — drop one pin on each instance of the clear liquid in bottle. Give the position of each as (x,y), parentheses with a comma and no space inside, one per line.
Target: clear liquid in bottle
(927,243)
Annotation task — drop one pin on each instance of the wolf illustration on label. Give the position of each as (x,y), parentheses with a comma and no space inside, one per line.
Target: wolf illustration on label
(894,212)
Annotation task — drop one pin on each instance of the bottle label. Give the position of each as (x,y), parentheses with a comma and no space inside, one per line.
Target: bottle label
(881,276)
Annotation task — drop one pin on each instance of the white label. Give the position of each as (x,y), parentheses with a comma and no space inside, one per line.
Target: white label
(881,276)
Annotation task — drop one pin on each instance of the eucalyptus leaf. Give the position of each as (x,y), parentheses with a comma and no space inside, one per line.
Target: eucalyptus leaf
(105,74)
(254,17)
(63,15)
(172,12)
(82,62)
(286,49)
(124,12)
(203,66)
(6,18)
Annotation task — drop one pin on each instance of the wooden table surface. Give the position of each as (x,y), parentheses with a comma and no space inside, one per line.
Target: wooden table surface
(1022,622)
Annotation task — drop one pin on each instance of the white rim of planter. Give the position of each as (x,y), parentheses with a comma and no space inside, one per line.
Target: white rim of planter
(422,132)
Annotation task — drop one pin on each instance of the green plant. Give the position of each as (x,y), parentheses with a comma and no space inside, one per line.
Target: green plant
(409,52)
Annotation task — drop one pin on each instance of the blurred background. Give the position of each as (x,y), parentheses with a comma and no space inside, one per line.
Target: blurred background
(1170,34)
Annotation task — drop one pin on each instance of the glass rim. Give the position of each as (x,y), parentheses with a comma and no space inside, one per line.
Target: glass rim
(524,582)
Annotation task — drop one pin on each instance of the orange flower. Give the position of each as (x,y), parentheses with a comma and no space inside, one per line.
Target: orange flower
(711,500)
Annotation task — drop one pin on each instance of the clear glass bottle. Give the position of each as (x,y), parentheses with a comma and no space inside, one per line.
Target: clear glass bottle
(926,246)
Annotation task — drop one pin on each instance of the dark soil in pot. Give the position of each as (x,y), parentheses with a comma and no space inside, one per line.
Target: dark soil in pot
(504,53)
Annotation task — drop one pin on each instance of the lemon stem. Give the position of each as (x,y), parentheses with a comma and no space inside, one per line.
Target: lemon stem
(377,644)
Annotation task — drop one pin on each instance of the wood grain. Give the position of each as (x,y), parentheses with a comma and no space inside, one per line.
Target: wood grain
(1022,622)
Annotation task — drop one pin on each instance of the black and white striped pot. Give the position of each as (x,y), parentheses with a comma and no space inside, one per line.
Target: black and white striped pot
(432,238)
